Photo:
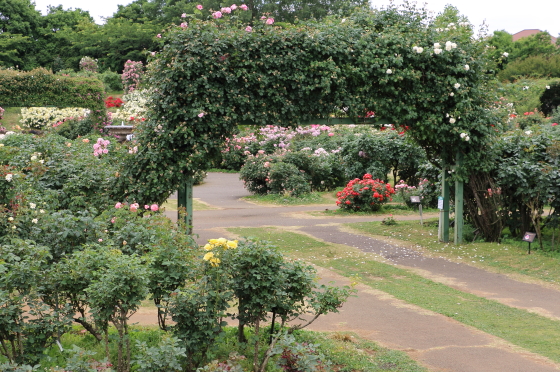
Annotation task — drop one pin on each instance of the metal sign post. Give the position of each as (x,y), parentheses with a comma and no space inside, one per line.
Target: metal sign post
(416,200)
(529,237)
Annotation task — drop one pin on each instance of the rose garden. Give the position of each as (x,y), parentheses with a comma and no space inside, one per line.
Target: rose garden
(361,111)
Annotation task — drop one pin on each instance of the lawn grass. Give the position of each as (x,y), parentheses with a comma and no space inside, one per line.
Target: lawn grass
(509,257)
(170,205)
(528,330)
(326,197)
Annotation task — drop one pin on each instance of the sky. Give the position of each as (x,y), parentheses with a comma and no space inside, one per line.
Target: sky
(511,16)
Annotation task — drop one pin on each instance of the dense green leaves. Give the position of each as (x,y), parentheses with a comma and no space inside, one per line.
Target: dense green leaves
(209,77)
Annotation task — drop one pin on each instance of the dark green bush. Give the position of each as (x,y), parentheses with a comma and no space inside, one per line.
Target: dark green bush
(286,178)
(112,80)
(539,66)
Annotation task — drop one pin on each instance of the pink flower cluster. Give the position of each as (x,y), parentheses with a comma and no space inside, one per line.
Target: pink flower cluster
(100,147)
(131,75)
(135,206)
(225,10)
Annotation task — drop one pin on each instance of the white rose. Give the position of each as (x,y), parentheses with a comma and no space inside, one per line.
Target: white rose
(463,135)
(419,50)
(34,220)
(436,46)
(528,132)
(32,205)
(438,51)
(548,87)
(389,71)
(467,138)
(10,218)
(9,177)
(451,94)
(467,68)
(452,120)
(33,158)
(456,85)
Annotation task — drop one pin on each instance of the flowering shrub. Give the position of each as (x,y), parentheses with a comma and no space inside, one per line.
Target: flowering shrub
(88,64)
(134,108)
(41,117)
(364,194)
(296,357)
(132,74)
(113,102)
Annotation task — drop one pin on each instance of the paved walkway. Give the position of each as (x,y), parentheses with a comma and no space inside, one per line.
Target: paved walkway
(436,341)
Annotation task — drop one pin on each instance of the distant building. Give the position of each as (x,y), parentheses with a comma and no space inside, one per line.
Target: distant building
(525,33)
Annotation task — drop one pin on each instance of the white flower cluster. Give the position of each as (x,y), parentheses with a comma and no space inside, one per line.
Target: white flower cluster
(36,157)
(449,45)
(4,135)
(452,26)
(465,137)
(135,106)
(40,117)
(417,49)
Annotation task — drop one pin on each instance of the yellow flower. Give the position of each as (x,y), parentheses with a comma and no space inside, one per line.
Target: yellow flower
(208,247)
(215,262)
(213,241)
(232,244)
(208,256)
(222,241)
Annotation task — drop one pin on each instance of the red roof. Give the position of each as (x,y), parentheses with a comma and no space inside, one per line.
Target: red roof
(525,33)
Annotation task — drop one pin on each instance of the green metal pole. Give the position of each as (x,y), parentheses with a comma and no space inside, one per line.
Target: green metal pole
(459,203)
(444,213)
(185,199)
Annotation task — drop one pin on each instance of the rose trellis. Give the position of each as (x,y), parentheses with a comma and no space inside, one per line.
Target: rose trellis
(210,76)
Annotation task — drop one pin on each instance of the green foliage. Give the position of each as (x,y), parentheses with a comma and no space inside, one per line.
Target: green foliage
(550,100)
(213,75)
(537,44)
(525,94)
(41,88)
(286,178)
(534,66)
(296,357)
(166,356)
(112,81)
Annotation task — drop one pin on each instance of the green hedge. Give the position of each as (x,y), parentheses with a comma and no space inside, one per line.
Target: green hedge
(40,87)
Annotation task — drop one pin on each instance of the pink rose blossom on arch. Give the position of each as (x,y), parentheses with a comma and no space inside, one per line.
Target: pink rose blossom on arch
(244,7)
(201,114)
(199,7)
(134,207)
(226,10)
(248,28)
(184,25)
(270,21)
(154,207)
(233,6)
(118,205)
(217,15)
(158,36)
(146,206)
(263,18)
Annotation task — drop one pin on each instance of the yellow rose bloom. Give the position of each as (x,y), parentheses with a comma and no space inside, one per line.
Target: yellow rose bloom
(213,241)
(215,261)
(208,247)
(222,241)
(232,244)
(208,256)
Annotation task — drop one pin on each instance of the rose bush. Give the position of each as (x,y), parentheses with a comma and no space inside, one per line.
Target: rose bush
(364,194)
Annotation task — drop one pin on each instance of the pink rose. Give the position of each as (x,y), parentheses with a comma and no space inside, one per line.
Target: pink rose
(146,206)
(233,6)
(244,7)
(201,114)
(154,207)
(199,7)
(248,28)
(113,220)
(184,25)
(270,21)
(153,53)
(263,18)
(134,207)
(184,15)
(554,124)
(226,10)
(118,205)
(99,240)
(158,36)
(331,134)
(217,15)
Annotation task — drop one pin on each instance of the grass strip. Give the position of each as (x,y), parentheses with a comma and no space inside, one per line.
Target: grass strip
(530,331)
(509,257)
(311,198)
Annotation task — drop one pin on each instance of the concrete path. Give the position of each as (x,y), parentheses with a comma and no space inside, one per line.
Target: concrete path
(438,342)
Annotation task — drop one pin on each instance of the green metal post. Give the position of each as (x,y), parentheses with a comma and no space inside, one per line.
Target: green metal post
(459,203)
(444,213)
(185,199)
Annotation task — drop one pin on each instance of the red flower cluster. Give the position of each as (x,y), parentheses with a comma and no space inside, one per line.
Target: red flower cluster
(364,194)
(112,102)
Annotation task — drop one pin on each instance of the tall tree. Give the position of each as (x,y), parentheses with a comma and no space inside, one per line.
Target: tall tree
(19,27)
